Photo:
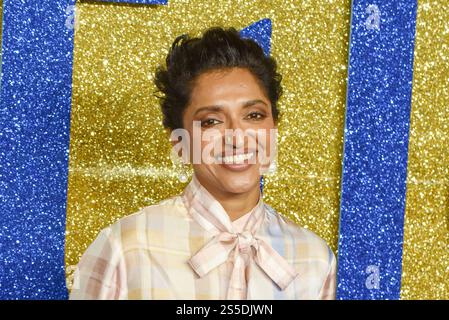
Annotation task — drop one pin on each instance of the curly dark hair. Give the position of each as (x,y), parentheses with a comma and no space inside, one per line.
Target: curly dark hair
(217,49)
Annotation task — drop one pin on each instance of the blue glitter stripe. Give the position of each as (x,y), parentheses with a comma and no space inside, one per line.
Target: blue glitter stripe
(136,1)
(34,139)
(375,149)
(36,88)
(260,32)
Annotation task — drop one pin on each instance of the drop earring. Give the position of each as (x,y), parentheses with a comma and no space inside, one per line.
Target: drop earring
(271,171)
(183,175)
(180,168)
(272,168)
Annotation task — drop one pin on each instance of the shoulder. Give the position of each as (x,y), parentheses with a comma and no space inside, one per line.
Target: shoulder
(307,242)
(132,230)
(171,207)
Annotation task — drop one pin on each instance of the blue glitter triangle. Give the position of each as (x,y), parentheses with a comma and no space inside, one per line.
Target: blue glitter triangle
(260,32)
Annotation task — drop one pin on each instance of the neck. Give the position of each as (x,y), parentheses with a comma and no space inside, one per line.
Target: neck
(235,204)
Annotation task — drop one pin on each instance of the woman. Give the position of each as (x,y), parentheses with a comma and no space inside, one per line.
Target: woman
(218,239)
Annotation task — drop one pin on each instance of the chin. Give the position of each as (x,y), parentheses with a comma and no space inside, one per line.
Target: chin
(241,183)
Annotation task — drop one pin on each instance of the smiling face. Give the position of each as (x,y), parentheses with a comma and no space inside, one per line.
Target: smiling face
(224,102)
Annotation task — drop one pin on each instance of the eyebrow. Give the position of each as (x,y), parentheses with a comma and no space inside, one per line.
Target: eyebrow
(247,104)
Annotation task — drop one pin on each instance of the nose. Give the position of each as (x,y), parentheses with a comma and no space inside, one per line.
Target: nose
(234,140)
(234,135)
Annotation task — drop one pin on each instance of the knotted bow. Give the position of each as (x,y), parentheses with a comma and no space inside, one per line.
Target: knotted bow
(226,242)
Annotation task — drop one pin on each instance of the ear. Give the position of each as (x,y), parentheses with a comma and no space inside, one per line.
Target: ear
(174,142)
(179,139)
(169,132)
(275,121)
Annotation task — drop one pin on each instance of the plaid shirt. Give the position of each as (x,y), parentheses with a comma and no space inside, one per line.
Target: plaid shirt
(186,247)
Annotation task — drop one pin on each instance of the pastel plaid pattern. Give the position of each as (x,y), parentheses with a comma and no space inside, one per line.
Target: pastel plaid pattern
(228,241)
(186,247)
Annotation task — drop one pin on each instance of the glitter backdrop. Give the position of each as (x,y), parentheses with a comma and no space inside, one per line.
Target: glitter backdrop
(119,151)
(35,102)
(1,27)
(1,22)
(425,273)
(375,149)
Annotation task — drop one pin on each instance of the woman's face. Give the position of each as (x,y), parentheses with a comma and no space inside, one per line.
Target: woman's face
(221,103)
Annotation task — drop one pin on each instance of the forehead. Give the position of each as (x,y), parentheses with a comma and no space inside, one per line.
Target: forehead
(226,85)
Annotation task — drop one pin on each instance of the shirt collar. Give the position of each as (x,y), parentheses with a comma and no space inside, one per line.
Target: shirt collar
(208,211)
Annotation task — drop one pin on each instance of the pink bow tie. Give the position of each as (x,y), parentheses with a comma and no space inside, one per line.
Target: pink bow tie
(209,213)
(219,248)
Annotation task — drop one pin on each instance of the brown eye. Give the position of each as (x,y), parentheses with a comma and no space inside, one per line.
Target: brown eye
(256,116)
(209,123)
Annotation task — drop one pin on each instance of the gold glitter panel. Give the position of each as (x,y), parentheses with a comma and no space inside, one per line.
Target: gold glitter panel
(119,152)
(426,231)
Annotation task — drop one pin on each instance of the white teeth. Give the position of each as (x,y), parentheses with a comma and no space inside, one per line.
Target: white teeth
(238,159)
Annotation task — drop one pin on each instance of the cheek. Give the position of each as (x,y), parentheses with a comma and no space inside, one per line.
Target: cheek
(267,137)
(211,144)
